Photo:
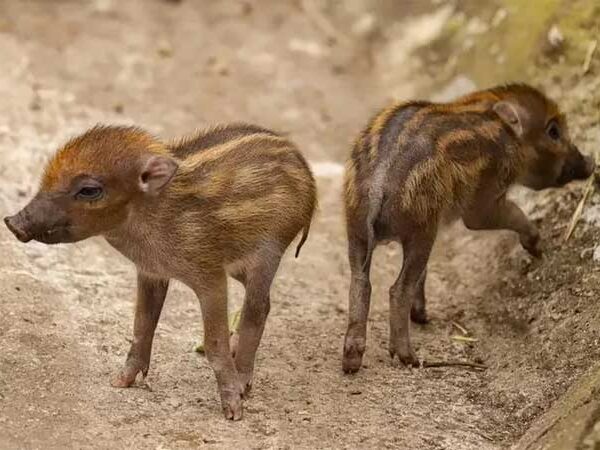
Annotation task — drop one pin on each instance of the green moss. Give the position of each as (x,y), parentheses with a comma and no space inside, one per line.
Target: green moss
(517,39)
(513,50)
(580,25)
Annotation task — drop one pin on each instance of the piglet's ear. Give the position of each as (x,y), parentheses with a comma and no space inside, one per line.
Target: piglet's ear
(156,173)
(513,115)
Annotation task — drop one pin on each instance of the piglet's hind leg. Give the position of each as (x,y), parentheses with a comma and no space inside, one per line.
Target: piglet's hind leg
(405,292)
(358,306)
(256,308)
(212,293)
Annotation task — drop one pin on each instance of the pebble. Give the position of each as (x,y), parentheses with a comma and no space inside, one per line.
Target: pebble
(555,37)
(173,402)
(499,17)
(591,215)
(310,48)
(476,26)
(365,25)
(596,254)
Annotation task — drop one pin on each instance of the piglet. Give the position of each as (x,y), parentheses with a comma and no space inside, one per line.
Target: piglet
(417,164)
(227,201)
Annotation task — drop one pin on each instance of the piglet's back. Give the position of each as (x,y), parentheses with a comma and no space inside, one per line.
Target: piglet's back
(242,184)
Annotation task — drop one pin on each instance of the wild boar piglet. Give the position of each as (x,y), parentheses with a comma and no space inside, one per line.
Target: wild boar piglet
(419,163)
(228,201)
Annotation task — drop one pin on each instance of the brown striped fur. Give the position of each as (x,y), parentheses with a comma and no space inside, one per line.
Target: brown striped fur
(417,164)
(228,201)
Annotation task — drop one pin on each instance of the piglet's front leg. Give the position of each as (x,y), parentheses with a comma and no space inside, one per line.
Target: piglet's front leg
(212,294)
(150,299)
(506,215)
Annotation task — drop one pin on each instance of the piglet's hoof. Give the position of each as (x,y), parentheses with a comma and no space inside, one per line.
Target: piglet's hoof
(532,245)
(406,356)
(231,402)
(354,348)
(419,316)
(123,380)
(127,376)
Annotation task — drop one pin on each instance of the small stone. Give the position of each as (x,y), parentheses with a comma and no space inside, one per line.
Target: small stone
(165,50)
(499,17)
(365,25)
(592,215)
(476,26)
(217,66)
(173,402)
(555,37)
(556,316)
(596,254)
(307,47)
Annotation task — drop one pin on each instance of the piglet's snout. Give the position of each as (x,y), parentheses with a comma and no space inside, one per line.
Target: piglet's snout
(590,165)
(16,224)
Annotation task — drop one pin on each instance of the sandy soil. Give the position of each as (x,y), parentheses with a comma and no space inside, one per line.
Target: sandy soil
(66,311)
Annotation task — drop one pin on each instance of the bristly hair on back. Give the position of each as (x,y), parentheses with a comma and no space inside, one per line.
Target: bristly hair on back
(218,134)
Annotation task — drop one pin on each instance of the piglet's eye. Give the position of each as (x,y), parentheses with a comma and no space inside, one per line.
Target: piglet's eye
(89,193)
(553,131)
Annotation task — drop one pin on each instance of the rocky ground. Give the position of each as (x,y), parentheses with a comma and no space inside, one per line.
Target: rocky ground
(66,311)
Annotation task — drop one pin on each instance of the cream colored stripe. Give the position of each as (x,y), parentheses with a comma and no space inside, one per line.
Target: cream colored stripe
(377,128)
(193,161)
(489,130)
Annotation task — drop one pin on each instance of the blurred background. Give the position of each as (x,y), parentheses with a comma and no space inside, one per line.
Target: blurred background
(316,70)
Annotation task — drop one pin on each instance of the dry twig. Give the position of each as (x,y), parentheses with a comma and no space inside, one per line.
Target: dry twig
(460,328)
(234,321)
(454,363)
(579,210)
(589,56)
(464,338)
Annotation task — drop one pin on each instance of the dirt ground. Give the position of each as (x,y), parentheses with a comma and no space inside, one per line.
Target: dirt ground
(66,311)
